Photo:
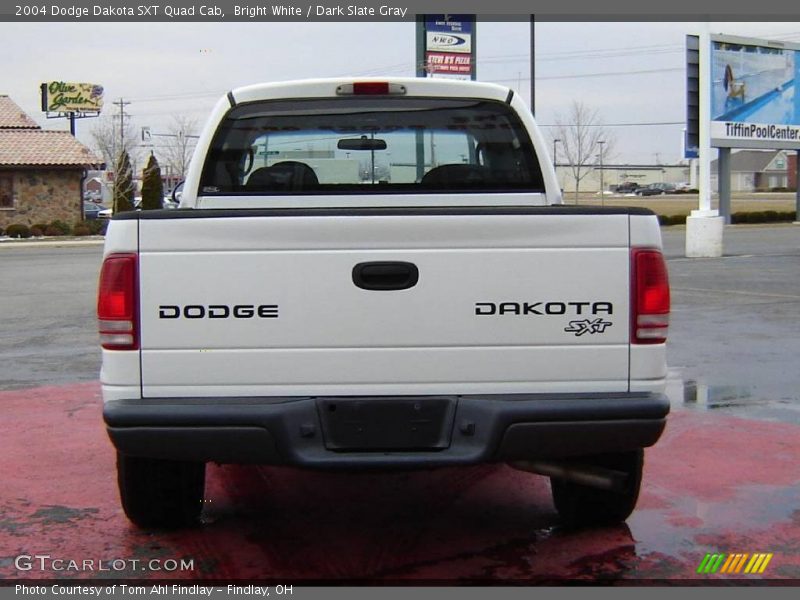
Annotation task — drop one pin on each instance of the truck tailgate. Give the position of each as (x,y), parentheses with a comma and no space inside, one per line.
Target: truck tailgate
(264,303)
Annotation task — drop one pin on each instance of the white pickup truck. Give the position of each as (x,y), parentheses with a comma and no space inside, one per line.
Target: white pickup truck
(381,274)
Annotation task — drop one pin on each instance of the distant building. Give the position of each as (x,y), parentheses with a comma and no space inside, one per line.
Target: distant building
(614,175)
(93,188)
(756,170)
(41,171)
(751,171)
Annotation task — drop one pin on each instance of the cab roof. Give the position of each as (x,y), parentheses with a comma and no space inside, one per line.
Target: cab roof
(326,88)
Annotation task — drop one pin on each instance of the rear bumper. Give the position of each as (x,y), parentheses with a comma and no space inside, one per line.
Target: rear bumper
(463,430)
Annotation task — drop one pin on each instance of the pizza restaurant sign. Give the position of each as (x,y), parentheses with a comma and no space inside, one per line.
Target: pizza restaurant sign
(60,96)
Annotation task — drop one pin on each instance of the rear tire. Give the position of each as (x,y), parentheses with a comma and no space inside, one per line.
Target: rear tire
(581,506)
(158,493)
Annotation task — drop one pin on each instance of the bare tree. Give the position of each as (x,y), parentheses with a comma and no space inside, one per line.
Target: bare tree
(110,142)
(181,139)
(582,138)
(117,148)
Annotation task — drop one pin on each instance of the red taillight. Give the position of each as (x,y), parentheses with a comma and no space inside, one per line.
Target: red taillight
(116,303)
(649,297)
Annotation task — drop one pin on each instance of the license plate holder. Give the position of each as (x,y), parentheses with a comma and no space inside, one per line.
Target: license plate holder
(387,424)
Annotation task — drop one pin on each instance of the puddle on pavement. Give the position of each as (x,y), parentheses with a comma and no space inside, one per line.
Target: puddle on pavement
(768,401)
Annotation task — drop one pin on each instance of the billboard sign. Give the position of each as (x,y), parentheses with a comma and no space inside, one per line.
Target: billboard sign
(449,46)
(447,42)
(63,97)
(451,63)
(755,93)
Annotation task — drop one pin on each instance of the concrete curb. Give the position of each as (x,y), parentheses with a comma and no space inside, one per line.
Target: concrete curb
(92,241)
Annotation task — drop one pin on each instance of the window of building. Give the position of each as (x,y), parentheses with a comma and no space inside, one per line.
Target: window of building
(6,191)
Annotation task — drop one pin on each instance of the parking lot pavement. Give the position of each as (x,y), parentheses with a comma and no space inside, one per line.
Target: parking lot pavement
(723,479)
(735,324)
(714,484)
(48,332)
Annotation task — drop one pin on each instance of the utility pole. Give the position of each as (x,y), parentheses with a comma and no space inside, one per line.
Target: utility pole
(121,104)
(602,197)
(533,64)
(421,71)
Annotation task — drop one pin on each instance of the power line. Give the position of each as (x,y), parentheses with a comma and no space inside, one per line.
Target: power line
(641,124)
(405,66)
(589,75)
(613,52)
(186,95)
(582,55)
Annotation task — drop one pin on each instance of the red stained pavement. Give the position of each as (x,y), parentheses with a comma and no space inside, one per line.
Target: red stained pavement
(714,483)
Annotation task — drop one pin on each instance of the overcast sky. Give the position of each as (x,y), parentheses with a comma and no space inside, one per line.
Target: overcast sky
(165,69)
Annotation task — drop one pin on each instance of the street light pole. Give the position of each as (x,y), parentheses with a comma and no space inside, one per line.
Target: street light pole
(602,196)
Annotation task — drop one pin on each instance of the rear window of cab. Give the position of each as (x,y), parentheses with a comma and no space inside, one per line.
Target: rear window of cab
(370,144)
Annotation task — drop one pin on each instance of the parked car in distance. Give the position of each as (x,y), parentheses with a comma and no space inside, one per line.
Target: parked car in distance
(655,189)
(668,188)
(107,213)
(626,187)
(648,191)
(166,202)
(92,210)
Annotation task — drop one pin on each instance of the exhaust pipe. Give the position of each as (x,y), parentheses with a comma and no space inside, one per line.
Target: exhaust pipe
(596,477)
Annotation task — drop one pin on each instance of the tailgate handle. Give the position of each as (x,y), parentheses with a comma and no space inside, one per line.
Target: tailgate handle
(385,276)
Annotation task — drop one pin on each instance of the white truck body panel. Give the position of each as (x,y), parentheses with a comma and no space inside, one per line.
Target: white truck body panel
(330,332)
(386,201)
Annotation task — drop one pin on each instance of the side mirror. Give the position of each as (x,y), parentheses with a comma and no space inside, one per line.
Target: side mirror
(177,192)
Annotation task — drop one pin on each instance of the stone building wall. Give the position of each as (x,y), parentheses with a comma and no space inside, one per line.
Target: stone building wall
(43,196)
